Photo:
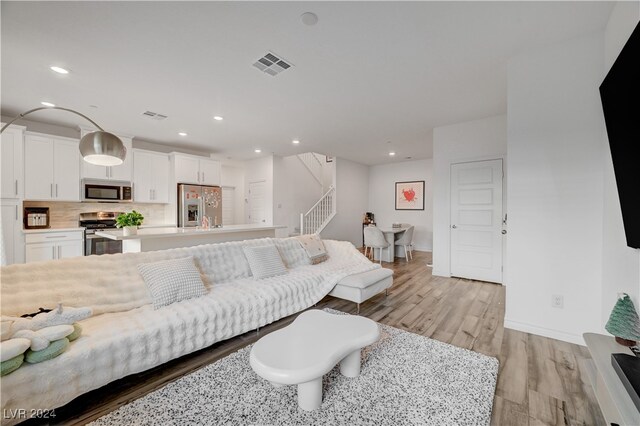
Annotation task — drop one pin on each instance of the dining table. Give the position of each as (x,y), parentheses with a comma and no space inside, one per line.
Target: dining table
(391,234)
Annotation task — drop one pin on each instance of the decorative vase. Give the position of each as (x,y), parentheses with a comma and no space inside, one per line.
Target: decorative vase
(129,230)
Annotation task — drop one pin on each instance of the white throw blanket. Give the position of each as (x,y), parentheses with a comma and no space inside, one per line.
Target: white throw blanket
(127,335)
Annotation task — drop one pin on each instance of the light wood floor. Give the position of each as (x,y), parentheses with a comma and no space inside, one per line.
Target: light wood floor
(541,380)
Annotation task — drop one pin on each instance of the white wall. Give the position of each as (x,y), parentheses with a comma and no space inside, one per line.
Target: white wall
(260,169)
(620,264)
(282,197)
(382,179)
(233,176)
(352,193)
(471,141)
(302,188)
(555,191)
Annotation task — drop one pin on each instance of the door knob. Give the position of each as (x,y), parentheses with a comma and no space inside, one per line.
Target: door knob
(454,226)
(504,231)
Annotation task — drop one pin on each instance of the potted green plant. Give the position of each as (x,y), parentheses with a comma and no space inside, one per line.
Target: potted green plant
(129,222)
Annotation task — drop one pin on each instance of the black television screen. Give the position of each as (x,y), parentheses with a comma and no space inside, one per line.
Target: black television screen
(620,95)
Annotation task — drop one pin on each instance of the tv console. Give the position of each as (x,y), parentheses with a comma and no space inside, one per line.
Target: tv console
(615,401)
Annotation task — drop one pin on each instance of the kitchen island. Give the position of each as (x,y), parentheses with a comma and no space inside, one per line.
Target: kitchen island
(160,238)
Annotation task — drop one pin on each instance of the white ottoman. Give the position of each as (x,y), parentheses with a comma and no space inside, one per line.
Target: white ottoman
(301,353)
(363,286)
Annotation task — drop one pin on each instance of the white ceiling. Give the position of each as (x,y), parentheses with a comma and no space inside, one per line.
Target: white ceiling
(366,74)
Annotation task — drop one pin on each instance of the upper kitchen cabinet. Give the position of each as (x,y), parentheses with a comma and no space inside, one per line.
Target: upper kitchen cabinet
(150,177)
(210,172)
(195,170)
(12,165)
(51,168)
(122,172)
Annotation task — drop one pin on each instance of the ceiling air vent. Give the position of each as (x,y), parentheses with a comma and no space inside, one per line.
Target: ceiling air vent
(154,115)
(272,64)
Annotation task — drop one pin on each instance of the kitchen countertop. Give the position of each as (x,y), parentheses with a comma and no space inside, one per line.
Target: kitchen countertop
(173,232)
(40,231)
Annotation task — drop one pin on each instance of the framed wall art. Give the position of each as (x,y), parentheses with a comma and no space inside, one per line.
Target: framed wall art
(410,195)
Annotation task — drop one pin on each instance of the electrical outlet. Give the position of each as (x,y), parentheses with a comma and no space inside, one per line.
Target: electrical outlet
(557,301)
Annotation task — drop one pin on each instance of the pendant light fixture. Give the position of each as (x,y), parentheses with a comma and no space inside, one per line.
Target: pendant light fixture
(100,148)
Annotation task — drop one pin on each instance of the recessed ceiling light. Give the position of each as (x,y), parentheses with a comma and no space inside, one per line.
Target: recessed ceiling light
(217,118)
(295,141)
(391,153)
(59,70)
(48,104)
(182,134)
(257,151)
(309,18)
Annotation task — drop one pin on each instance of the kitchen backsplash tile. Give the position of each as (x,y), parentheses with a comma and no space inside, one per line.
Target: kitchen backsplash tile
(65,214)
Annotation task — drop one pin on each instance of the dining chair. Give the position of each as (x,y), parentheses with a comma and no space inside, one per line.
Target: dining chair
(405,241)
(406,225)
(374,238)
(366,247)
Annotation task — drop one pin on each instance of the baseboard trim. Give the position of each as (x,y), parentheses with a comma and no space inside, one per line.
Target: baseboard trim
(545,332)
(439,273)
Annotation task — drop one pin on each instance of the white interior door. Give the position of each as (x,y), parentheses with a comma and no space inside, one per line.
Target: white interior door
(476,220)
(228,205)
(257,213)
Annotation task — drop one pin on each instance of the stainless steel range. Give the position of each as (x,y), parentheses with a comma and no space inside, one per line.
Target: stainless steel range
(99,221)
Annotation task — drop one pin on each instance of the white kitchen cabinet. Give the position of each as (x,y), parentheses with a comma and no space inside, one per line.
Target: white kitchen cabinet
(12,164)
(122,172)
(40,252)
(50,245)
(66,173)
(150,177)
(125,170)
(51,168)
(195,170)
(210,172)
(12,238)
(66,249)
(186,169)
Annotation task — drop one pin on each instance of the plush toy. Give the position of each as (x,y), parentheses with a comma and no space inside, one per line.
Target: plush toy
(42,338)
(11,365)
(77,330)
(37,339)
(58,316)
(13,347)
(6,328)
(52,351)
(12,354)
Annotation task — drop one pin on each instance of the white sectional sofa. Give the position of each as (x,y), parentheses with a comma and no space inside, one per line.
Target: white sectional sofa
(126,335)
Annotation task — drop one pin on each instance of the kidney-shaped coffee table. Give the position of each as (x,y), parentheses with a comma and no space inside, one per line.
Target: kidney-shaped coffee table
(301,353)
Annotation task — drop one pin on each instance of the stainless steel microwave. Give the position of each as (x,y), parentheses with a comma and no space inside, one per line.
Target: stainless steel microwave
(108,191)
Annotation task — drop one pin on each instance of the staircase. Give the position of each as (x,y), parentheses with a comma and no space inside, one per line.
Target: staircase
(313,164)
(318,216)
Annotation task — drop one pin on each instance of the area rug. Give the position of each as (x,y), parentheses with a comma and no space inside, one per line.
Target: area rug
(406,379)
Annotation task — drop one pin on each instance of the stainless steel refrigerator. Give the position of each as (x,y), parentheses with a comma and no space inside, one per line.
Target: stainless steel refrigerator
(198,201)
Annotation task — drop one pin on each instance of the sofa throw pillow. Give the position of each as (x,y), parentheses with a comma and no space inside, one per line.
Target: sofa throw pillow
(312,244)
(264,261)
(171,281)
